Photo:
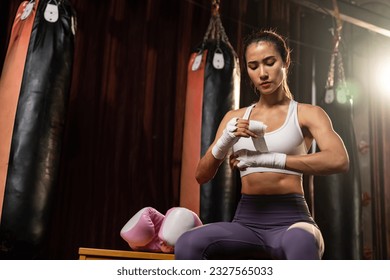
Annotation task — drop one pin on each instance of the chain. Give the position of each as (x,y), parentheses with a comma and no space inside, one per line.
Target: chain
(215,29)
(336,57)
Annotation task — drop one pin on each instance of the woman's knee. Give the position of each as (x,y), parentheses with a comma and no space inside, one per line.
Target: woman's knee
(303,241)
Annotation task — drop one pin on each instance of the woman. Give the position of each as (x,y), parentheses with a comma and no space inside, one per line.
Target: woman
(270,140)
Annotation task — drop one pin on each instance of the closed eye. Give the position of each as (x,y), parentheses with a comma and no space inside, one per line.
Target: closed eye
(270,61)
(253,65)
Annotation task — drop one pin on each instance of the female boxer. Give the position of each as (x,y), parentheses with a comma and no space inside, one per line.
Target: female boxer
(269,141)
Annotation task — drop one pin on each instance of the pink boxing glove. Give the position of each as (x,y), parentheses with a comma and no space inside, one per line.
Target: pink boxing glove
(141,231)
(177,221)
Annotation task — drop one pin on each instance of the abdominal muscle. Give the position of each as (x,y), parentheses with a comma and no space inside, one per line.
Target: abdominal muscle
(271,183)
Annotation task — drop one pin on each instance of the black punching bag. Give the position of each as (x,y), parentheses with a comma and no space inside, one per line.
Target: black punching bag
(218,197)
(338,197)
(38,130)
(213,85)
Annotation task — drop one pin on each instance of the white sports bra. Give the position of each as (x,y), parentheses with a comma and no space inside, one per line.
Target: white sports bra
(287,139)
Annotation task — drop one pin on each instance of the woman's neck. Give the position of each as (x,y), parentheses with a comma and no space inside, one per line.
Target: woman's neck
(276,98)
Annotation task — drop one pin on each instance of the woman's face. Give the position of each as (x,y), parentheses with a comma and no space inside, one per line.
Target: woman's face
(265,67)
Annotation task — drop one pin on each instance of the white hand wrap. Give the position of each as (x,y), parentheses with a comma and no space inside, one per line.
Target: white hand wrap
(226,141)
(271,160)
(259,129)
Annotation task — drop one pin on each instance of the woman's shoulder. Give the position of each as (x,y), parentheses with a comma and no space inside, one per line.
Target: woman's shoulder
(237,113)
(310,112)
(306,107)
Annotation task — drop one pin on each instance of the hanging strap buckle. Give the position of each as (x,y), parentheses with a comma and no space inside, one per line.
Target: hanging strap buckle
(218,59)
(51,12)
(27,10)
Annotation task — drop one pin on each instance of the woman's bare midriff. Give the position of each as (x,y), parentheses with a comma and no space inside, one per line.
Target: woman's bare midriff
(271,183)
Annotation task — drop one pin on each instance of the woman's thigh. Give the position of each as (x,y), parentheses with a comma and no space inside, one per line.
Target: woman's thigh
(221,240)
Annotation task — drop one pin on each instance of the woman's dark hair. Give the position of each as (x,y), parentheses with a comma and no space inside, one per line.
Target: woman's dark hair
(280,44)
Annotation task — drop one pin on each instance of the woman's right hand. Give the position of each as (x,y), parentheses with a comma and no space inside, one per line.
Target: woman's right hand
(226,140)
(231,128)
(234,129)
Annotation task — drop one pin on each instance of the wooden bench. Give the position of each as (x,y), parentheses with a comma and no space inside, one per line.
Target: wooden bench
(105,254)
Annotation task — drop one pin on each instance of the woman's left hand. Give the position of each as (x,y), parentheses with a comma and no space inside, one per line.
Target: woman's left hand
(233,161)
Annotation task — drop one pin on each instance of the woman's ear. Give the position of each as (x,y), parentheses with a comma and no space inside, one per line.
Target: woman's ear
(284,69)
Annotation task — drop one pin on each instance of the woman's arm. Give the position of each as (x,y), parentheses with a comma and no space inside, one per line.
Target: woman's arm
(207,167)
(332,157)
(209,164)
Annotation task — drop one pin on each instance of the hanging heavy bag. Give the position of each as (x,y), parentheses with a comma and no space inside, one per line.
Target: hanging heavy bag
(189,187)
(212,90)
(221,86)
(38,129)
(10,83)
(338,197)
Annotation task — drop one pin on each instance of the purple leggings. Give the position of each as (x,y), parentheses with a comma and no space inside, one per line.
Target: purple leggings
(264,226)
